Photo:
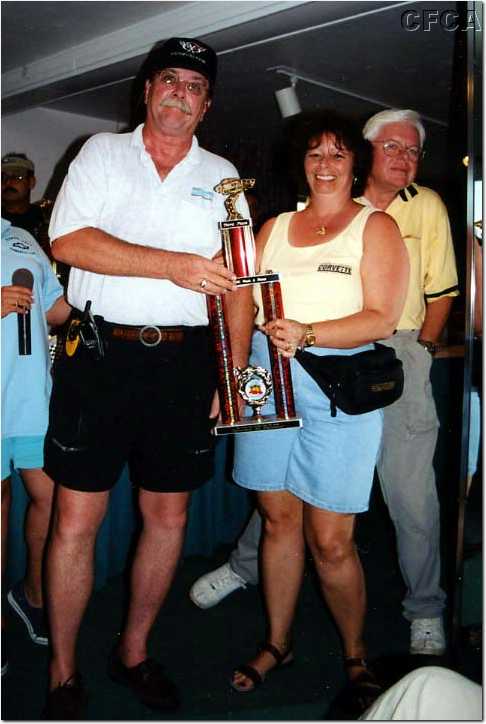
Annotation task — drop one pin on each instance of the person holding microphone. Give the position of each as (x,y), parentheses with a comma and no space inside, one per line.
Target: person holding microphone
(32,300)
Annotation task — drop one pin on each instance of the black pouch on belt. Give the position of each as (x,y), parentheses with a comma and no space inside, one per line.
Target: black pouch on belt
(90,334)
(356,383)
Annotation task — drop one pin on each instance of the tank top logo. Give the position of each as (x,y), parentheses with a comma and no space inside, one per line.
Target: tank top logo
(336,268)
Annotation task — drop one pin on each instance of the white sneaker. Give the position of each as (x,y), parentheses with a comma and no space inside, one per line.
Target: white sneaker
(210,589)
(427,637)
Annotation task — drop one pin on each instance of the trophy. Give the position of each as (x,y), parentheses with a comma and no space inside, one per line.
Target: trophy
(253,384)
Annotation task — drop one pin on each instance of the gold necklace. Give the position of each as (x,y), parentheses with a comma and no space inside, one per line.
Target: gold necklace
(321,230)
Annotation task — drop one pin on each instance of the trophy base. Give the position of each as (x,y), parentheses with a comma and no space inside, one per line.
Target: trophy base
(257,424)
(257,279)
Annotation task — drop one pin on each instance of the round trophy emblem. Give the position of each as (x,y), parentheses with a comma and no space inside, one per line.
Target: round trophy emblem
(254,386)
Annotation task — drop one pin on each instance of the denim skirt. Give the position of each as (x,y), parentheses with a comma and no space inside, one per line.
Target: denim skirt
(328,462)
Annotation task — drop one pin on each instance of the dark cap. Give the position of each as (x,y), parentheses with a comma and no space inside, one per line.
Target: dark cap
(186,53)
(17,162)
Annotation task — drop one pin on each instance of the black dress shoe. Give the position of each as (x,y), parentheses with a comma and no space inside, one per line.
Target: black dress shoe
(147,681)
(67,701)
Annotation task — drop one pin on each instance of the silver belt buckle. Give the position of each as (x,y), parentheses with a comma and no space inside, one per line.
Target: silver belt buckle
(156,330)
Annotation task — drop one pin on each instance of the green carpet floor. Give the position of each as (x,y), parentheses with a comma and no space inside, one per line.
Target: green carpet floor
(199,648)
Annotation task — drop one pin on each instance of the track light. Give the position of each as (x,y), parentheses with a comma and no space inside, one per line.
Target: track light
(287,100)
(290,105)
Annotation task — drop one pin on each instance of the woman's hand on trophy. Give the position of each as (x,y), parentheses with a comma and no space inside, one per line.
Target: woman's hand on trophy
(285,334)
(195,272)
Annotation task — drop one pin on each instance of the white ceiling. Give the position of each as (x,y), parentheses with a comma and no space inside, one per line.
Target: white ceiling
(81,57)
(55,26)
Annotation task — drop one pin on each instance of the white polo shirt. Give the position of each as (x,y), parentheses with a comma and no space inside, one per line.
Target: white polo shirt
(113,185)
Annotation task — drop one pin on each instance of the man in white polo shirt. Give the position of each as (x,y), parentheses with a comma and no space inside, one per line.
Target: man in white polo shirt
(136,219)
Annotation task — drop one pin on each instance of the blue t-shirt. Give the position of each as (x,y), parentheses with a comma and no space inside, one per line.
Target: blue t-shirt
(26,380)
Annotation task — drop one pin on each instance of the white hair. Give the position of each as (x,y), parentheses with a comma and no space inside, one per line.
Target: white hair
(374,124)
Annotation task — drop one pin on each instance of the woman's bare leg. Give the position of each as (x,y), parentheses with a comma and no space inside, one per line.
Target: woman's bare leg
(282,565)
(330,537)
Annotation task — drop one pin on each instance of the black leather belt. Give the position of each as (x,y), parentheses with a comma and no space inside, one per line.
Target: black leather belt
(149,335)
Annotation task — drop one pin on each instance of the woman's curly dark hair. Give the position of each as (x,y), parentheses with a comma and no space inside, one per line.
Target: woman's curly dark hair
(307,129)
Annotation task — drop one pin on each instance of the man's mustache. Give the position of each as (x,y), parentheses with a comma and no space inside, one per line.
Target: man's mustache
(176,103)
(9,188)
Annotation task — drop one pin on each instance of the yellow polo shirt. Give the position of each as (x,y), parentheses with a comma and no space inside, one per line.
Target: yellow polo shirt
(424,225)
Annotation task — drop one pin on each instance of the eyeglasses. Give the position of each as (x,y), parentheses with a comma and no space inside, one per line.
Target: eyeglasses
(171,80)
(394,149)
(13,176)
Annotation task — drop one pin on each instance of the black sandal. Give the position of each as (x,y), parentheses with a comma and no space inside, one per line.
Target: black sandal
(364,688)
(282,659)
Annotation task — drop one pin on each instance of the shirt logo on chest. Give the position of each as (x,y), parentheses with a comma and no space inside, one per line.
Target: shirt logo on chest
(21,247)
(203,193)
(335,268)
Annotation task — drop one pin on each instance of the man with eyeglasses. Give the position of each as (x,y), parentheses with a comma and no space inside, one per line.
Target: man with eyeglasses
(410,424)
(18,180)
(137,220)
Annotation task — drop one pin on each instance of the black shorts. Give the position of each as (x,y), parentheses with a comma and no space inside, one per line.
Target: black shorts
(145,406)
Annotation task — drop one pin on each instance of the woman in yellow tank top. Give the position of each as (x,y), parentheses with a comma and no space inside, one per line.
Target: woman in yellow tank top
(344,272)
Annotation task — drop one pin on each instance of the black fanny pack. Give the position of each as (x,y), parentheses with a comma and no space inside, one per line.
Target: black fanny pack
(356,383)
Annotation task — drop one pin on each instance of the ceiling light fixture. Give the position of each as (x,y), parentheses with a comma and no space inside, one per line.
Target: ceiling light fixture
(294,75)
(287,99)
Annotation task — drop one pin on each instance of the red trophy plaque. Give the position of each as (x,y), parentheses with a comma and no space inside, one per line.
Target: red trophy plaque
(253,384)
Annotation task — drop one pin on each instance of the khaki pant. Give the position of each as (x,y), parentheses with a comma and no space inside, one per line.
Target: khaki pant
(405,469)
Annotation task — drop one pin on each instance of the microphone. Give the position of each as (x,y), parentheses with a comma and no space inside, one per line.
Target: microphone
(23,278)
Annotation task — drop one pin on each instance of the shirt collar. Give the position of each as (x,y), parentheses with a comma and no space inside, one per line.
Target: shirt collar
(410,190)
(192,158)
(137,139)
(5,225)
(405,194)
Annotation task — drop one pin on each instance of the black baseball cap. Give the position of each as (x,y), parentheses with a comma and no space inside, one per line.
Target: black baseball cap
(188,53)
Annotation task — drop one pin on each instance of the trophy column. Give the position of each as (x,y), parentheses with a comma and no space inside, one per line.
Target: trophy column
(282,378)
(253,384)
(227,389)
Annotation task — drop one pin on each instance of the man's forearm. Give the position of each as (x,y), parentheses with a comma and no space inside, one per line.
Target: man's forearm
(94,250)
(436,317)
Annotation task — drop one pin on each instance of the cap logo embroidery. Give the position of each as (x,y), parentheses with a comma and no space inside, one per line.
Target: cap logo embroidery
(192,47)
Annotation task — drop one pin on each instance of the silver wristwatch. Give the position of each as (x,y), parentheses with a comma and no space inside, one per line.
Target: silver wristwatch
(431,347)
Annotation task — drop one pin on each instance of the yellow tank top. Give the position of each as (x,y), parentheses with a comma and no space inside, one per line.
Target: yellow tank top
(318,282)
